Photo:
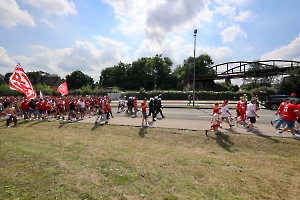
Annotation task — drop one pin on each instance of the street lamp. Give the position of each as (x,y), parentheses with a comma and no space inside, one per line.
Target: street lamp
(195,32)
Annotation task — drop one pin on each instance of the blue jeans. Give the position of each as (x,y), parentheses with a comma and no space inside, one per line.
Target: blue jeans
(280,122)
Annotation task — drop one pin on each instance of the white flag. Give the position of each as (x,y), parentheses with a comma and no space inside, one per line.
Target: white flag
(41,95)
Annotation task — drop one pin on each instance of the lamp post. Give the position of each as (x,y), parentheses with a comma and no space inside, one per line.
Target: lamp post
(195,32)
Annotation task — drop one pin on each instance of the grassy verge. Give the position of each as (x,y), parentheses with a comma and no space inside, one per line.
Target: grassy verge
(41,160)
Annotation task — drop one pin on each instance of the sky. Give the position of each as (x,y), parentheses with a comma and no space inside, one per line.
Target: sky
(61,36)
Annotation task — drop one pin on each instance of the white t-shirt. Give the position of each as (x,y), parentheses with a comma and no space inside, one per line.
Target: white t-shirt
(224,110)
(250,107)
(82,104)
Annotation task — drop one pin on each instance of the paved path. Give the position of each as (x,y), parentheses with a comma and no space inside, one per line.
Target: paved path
(265,130)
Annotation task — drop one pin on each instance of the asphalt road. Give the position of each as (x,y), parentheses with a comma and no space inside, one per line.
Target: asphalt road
(205,114)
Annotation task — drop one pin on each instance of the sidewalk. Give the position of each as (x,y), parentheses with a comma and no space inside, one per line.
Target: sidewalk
(264,130)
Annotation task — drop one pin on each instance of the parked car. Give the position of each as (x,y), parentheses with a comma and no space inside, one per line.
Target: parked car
(273,101)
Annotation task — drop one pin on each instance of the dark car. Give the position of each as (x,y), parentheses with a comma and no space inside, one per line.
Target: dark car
(273,101)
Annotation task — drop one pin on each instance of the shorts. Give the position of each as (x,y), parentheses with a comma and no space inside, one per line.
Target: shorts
(289,123)
(238,113)
(144,114)
(298,120)
(224,118)
(215,126)
(252,119)
(82,109)
(24,112)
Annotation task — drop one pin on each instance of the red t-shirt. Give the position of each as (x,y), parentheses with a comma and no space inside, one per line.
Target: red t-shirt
(216,109)
(39,105)
(289,112)
(135,103)
(107,106)
(242,108)
(60,106)
(46,105)
(281,106)
(144,108)
(24,105)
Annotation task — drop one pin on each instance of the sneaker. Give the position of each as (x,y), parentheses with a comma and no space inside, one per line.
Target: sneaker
(7,126)
(272,123)
(142,124)
(231,125)
(280,134)
(147,124)
(295,136)
(96,122)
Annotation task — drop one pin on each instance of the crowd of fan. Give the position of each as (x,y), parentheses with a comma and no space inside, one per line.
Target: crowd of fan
(72,109)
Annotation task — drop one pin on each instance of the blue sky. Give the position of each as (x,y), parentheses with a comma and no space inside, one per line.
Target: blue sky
(61,36)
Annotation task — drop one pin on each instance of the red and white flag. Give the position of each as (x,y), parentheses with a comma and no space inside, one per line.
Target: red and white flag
(20,82)
(63,89)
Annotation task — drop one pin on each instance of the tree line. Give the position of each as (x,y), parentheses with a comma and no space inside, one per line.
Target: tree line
(155,73)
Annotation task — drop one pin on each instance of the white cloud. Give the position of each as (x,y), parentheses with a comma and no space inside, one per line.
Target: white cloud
(58,7)
(48,23)
(156,19)
(11,15)
(229,34)
(82,56)
(6,62)
(290,51)
(233,2)
(243,16)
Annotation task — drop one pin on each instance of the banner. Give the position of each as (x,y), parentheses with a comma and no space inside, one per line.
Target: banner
(63,89)
(20,82)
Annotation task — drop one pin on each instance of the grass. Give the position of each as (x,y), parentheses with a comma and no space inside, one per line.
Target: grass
(41,160)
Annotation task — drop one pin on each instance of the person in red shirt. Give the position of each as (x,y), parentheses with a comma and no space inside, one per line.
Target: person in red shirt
(39,105)
(237,109)
(24,107)
(289,115)
(61,109)
(279,112)
(144,112)
(242,111)
(47,109)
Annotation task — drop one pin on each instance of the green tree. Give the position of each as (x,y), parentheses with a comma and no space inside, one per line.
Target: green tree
(2,79)
(77,79)
(7,76)
(290,83)
(185,72)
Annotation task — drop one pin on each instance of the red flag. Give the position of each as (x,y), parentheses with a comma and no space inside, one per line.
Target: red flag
(63,89)
(20,82)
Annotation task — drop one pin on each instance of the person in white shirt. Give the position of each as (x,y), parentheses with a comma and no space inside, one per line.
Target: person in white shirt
(251,114)
(82,108)
(225,115)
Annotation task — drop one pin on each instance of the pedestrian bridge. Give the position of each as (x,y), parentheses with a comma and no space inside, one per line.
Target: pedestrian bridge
(243,69)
